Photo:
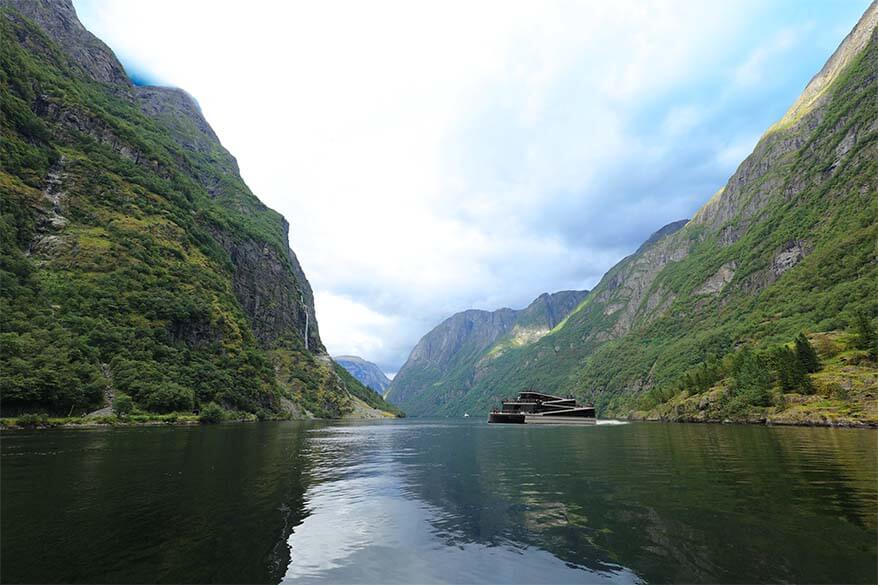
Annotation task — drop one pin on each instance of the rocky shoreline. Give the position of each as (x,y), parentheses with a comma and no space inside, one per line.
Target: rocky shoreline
(766,421)
(361,412)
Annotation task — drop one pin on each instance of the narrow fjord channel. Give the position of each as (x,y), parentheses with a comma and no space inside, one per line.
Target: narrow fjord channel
(440,501)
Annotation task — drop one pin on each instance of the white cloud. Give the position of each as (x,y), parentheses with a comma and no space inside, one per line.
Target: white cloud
(353,322)
(435,156)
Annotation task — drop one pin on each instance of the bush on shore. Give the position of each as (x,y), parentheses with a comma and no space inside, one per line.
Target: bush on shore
(122,405)
(211,414)
(32,420)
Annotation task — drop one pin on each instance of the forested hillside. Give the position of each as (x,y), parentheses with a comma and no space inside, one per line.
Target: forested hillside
(788,246)
(134,261)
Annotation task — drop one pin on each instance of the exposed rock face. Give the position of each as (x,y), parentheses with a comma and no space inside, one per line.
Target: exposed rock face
(753,261)
(269,282)
(791,254)
(178,107)
(851,47)
(273,292)
(179,112)
(181,280)
(749,189)
(662,233)
(58,19)
(73,120)
(718,281)
(473,329)
(366,372)
(627,285)
(450,355)
(547,310)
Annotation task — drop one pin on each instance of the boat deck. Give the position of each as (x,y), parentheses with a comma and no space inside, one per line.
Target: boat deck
(540,408)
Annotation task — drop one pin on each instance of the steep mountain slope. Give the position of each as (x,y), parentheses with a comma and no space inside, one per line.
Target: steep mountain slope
(789,244)
(366,372)
(446,362)
(134,259)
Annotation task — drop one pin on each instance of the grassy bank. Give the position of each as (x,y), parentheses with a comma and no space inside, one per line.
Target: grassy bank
(207,416)
(842,392)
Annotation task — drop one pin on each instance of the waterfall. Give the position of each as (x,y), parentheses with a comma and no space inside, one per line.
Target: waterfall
(305,307)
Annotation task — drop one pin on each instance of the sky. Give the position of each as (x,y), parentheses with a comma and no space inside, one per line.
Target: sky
(433,157)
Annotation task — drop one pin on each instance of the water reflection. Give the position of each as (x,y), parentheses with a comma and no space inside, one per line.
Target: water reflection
(449,501)
(464,502)
(369,521)
(151,504)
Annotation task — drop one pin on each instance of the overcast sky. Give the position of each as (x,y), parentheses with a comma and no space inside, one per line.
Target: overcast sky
(438,156)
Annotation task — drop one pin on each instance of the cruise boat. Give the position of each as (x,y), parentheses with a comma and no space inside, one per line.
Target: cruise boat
(538,408)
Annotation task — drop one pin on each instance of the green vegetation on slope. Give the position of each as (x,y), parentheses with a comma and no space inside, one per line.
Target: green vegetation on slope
(115,267)
(789,245)
(130,267)
(834,216)
(447,362)
(364,393)
(836,384)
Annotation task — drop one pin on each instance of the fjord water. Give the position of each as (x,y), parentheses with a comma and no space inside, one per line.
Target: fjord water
(440,501)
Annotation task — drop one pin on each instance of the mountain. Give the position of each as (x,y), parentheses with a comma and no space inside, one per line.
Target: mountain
(366,372)
(134,260)
(789,244)
(447,362)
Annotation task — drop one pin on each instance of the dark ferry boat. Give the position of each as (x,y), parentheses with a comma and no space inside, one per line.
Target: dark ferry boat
(538,408)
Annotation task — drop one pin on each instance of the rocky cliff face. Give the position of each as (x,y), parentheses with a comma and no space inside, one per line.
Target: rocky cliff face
(473,330)
(788,244)
(274,293)
(447,359)
(268,280)
(366,372)
(180,114)
(58,20)
(132,250)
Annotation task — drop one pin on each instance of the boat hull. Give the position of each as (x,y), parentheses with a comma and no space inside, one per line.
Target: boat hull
(519,418)
(506,417)
(542,419)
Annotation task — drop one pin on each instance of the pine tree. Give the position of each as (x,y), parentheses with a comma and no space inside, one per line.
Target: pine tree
(751,378)
(791,373)
(806,354)
(866,337)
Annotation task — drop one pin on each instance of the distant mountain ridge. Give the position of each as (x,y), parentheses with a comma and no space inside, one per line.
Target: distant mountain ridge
(787,245)
(446,360)
(369,374)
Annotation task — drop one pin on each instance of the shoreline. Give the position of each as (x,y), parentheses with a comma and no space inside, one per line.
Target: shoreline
(189,420)
(766,422)
(193,421)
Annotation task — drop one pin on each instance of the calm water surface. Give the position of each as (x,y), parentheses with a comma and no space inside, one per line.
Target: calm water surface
(439,501)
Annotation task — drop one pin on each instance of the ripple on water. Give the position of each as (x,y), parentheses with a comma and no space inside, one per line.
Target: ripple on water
(447,501)
(466,503)
(370,524)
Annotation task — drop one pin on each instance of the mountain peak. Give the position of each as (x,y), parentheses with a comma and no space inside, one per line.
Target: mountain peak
(787,244)
(852,45)
(447,359)
(369,374)
(58,20)
(662,232)
(131,184)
